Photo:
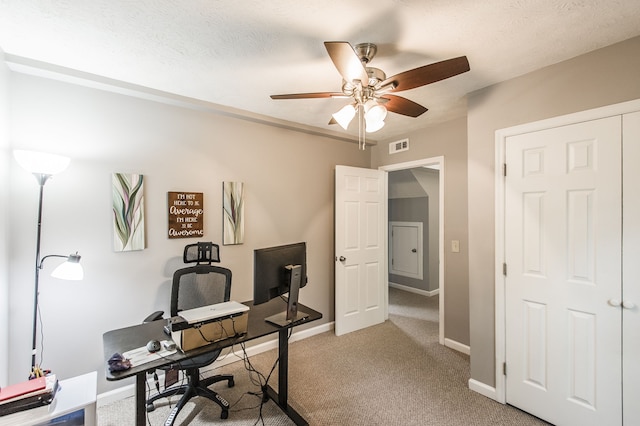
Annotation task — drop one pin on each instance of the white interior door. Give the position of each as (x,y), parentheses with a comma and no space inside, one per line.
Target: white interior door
(360,229)
(563,256)
(406,251)
(631,270)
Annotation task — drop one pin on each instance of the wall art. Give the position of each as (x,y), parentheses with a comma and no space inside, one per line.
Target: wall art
(186,214)
(128,211)
(233,213)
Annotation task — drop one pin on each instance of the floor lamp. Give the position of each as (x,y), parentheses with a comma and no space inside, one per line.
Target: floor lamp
(43,166)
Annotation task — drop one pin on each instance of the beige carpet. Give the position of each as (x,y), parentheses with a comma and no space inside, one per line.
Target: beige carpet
(395,373)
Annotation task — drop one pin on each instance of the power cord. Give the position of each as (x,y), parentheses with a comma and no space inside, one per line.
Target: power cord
(261,381)
(181,382)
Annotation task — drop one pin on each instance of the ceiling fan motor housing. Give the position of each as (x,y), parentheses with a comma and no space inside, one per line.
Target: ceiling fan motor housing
(376,75)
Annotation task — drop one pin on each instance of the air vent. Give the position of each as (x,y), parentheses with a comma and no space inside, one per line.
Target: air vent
(398,146)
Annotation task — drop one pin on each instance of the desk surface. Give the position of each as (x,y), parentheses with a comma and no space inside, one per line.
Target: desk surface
(136,336)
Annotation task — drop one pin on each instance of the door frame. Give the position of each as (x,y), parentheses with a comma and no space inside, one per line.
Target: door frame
(501,135)
(431,161)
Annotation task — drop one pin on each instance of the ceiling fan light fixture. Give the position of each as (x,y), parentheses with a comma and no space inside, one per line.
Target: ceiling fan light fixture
(345,115)
(373,111)
(374,125)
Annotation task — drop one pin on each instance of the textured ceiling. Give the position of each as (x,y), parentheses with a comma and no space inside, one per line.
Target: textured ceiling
(237,53)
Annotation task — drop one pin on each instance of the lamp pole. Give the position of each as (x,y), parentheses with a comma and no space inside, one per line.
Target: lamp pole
(42,179)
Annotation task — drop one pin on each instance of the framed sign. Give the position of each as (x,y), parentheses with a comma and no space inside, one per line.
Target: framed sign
(186,213)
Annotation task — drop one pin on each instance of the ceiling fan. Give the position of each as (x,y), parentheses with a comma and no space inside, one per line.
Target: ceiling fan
(370,89)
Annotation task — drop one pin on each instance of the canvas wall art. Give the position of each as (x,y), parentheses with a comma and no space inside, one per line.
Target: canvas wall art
(128,211)
(233,213)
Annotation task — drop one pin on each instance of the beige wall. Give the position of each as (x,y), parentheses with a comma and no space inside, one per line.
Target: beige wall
(450,141)
(603,77)
(289,188)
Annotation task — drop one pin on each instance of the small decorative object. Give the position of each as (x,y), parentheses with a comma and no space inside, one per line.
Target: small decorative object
(233,213)
(186,214)
(118,363)
(128,212)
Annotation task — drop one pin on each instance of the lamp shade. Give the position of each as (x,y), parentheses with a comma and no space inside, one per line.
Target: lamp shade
(69,270)
(374,111)
(374,115)
(373,125)
(41,162)
(345,115)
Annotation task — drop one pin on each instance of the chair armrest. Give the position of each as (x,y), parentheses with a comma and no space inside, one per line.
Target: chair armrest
(157,315)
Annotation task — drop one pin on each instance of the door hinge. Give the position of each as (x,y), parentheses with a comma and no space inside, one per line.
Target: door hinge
(504,368)
(504,169)
(504,269)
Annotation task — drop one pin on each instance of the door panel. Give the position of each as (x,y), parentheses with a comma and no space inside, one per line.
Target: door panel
(359,248)
(631,269)
(563,255)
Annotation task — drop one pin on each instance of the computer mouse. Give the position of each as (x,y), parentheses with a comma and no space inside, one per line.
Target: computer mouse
(153,346)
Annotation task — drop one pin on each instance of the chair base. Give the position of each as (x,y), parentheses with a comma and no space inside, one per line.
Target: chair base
(194,387)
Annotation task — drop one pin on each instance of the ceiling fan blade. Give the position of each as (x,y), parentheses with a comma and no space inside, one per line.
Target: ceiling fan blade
(318,95)
(403,106)
(347,62)
(428,74)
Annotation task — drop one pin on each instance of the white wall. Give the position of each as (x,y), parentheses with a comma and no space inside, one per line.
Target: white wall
(288,180)
(4,240)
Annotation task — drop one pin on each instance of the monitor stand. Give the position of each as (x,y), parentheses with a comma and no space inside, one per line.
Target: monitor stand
(291,315)
(282,321)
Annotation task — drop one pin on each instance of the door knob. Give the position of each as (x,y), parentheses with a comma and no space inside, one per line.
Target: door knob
(342,258)
(414,250)
(628,305)
(614,302)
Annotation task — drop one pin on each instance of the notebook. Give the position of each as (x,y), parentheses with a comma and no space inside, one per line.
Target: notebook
(23,388)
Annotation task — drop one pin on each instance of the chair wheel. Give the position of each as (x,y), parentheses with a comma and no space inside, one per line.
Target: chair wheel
(224,414)
(231,383)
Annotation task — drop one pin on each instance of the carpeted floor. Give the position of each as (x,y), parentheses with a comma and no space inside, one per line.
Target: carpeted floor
(395,373)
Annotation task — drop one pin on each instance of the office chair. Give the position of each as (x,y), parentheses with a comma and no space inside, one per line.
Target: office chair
(195,286)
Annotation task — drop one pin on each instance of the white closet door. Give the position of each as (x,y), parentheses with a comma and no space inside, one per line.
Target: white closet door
(631,269)
(563,255)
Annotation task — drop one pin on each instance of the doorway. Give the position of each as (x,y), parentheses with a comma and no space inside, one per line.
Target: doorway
(435,265)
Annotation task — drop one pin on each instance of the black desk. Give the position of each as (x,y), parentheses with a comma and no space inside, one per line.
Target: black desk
(129,338)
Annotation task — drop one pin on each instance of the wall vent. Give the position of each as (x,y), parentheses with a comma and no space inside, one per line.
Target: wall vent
(399,146)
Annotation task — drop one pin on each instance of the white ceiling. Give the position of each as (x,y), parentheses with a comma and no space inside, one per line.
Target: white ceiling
(238,52)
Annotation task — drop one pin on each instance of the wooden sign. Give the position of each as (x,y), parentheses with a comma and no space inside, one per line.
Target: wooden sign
(186,214)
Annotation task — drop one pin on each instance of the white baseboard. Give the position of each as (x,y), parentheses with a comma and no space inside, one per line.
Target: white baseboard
(481,388)
(415,290)
(227,357)
(457,346)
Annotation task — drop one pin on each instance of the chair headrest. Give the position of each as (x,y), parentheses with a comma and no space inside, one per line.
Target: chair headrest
(201,252)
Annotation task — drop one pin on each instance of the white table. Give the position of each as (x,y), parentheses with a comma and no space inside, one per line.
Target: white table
(75,397)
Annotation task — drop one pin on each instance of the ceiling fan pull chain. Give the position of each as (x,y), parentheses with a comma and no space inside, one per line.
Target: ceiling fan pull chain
(361,127)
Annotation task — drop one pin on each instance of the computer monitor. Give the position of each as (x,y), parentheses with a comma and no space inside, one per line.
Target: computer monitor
(277,271)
